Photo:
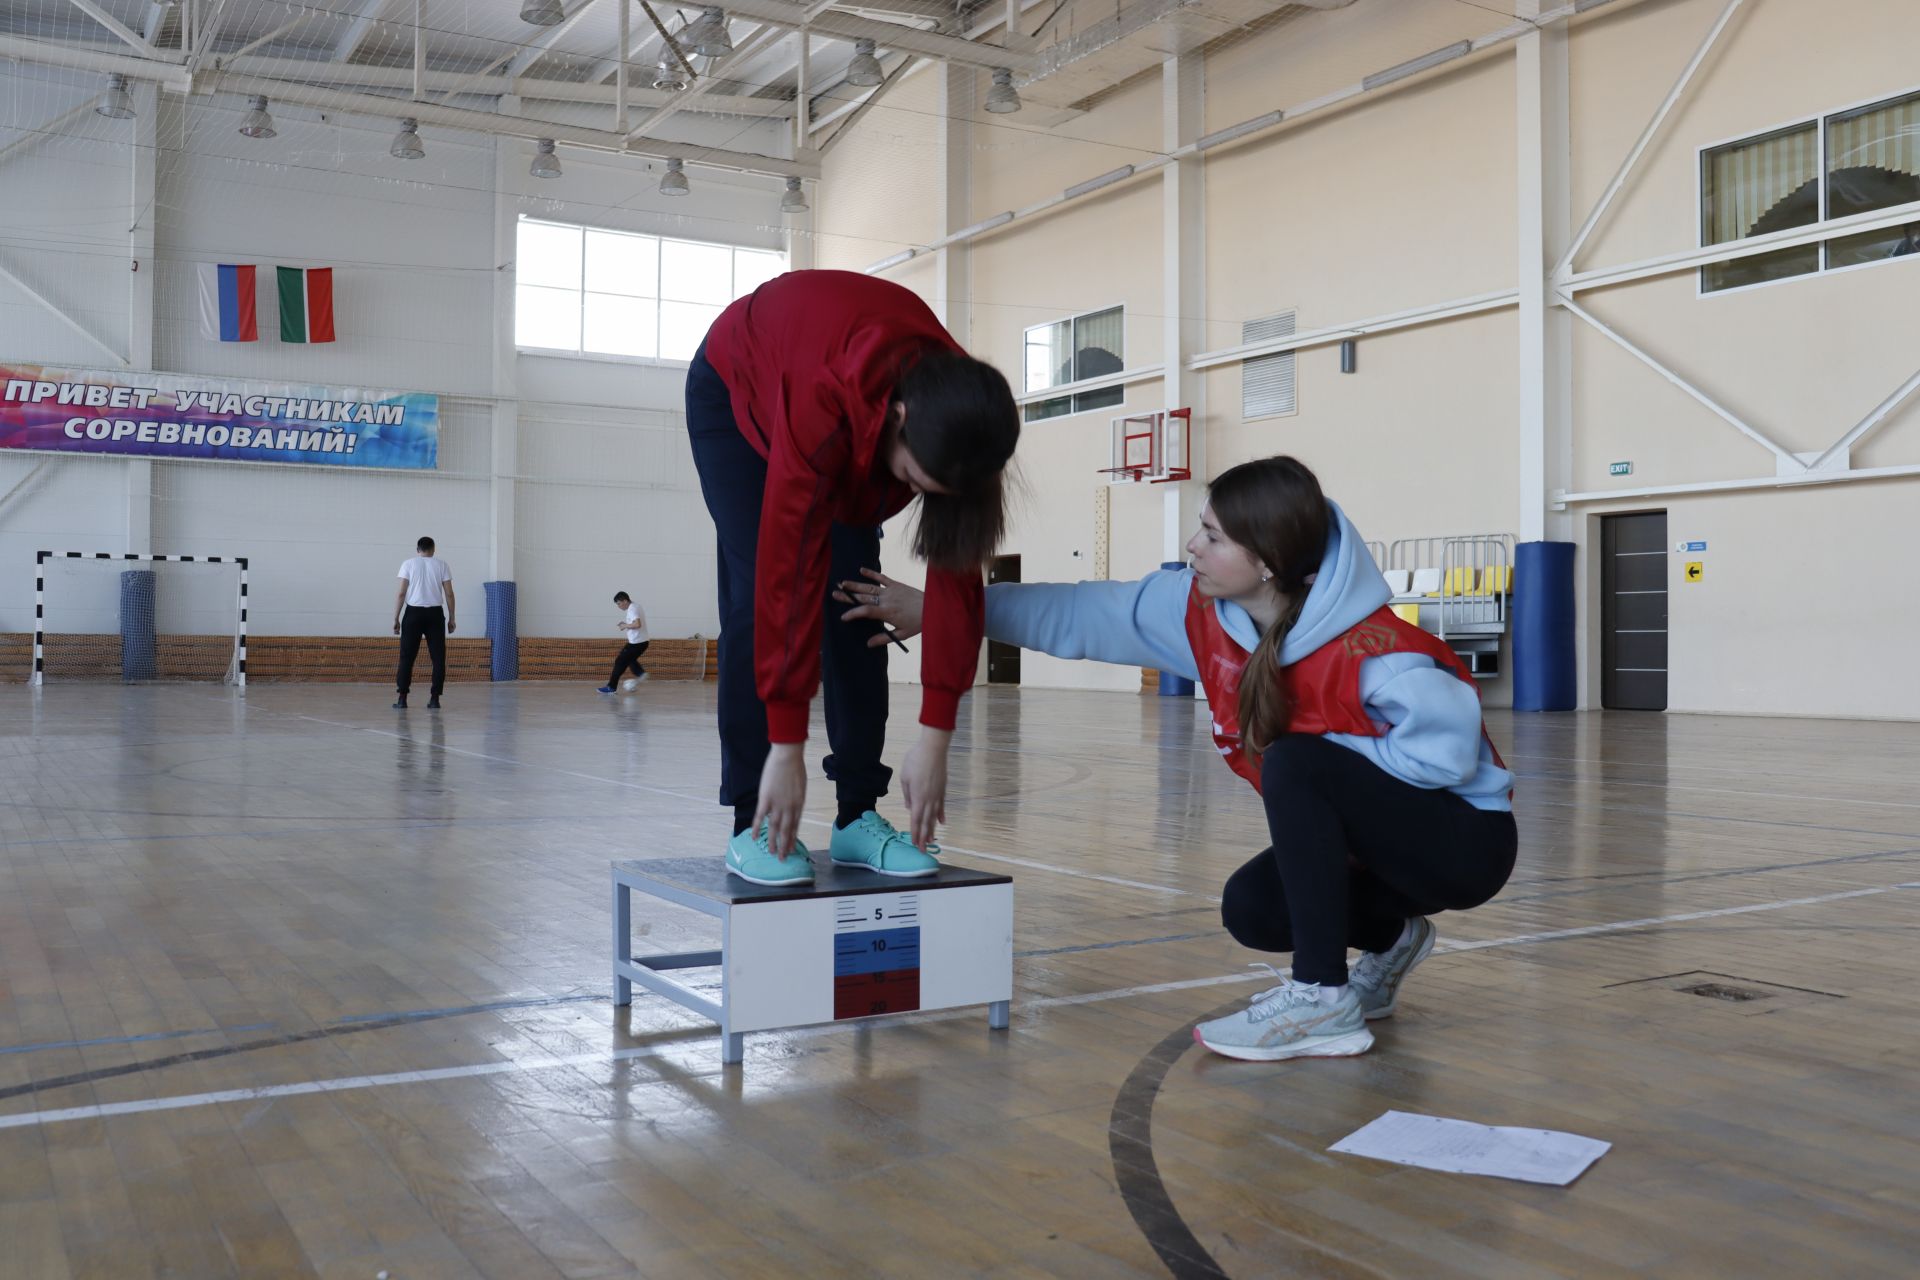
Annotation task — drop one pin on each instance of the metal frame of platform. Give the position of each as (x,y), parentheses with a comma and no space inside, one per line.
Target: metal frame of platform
(702,884)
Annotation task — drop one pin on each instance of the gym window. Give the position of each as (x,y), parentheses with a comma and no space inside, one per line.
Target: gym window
(1848,162)
(1072,350)
(589,291)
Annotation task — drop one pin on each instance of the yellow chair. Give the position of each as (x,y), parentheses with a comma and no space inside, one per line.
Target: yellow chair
(1407,613)
(1458,582)
(1497,580)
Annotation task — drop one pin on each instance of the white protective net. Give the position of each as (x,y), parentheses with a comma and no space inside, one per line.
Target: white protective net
(549,305)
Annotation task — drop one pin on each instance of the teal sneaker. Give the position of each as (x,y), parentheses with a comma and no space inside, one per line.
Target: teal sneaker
(749,858)
(1289,1021)
(1376,978)
(871,841)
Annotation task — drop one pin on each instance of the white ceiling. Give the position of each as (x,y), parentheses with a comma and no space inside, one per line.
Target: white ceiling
(477,51)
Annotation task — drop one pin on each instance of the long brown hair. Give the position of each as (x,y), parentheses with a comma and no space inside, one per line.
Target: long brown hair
(1274,508)
(962,426)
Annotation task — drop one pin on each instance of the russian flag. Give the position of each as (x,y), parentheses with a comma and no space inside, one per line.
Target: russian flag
(227,312)
(306,303)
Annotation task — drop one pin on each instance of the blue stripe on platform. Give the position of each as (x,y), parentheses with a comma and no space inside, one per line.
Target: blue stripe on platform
(875,951)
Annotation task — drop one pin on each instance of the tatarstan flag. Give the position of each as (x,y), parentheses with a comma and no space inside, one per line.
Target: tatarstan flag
(306,304)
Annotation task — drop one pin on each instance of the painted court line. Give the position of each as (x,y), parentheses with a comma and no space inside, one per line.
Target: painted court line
(140,1039)
(1586,930)
(345,1083)
(1721,791)
(481,755)
(340,1084)
(1063,871)
(351,1020)
(816,822)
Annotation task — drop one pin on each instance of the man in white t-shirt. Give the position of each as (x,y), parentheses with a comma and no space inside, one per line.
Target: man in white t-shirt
(423,609)
(634,624)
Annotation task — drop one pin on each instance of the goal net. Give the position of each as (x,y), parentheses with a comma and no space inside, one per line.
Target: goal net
(135,619)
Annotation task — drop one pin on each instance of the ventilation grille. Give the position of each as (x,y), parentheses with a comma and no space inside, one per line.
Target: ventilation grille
(1266,382)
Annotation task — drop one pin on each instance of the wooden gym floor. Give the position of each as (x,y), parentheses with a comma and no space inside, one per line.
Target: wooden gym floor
(362,958)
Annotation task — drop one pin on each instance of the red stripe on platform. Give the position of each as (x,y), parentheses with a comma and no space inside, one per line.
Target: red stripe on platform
(863,995)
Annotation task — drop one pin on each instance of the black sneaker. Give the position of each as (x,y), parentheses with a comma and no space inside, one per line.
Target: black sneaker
(401,705)
(433,704)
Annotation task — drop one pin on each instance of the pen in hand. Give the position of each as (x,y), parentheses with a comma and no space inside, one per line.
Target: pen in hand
(866,599)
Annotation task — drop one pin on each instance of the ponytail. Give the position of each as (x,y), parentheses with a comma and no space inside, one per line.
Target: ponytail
(1273,507)
(1265,709)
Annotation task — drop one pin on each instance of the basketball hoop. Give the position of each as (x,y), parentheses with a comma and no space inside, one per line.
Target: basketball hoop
(1150,446)
(1175,458)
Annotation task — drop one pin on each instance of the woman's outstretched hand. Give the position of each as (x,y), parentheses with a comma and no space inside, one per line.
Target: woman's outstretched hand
(893,604)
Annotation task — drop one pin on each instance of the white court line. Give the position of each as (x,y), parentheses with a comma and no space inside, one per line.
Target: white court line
(343,1084)
(481,755)
(340,1084)
(1584,930)
(1700,768)
(1065,871)
(1151,988)
(1726,791)
(817,822)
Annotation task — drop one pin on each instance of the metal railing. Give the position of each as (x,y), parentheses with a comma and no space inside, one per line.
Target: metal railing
(1474,578)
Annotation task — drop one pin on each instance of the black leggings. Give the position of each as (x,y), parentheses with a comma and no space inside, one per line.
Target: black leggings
(1355,853)
(629,657)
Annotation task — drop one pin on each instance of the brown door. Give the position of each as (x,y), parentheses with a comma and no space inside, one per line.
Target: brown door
(1633,612)
(1003,660)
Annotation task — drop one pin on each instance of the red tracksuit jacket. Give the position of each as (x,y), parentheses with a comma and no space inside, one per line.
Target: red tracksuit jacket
(810,360)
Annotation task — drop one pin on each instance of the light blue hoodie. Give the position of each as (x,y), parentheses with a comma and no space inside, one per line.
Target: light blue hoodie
(1431,717)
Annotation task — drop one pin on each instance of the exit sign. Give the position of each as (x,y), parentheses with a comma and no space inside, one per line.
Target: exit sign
(1620,469)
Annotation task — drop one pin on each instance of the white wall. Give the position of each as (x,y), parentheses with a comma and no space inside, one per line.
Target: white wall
(1412,197)
(411,251)
(1405,199)
(63,218)
(643,529)
(604,492)
(64,210)
(1802,586)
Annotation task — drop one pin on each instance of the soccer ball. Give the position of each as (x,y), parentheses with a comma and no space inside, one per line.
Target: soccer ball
(629,685)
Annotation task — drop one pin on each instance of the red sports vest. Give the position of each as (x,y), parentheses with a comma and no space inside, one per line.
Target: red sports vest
(1323,688)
